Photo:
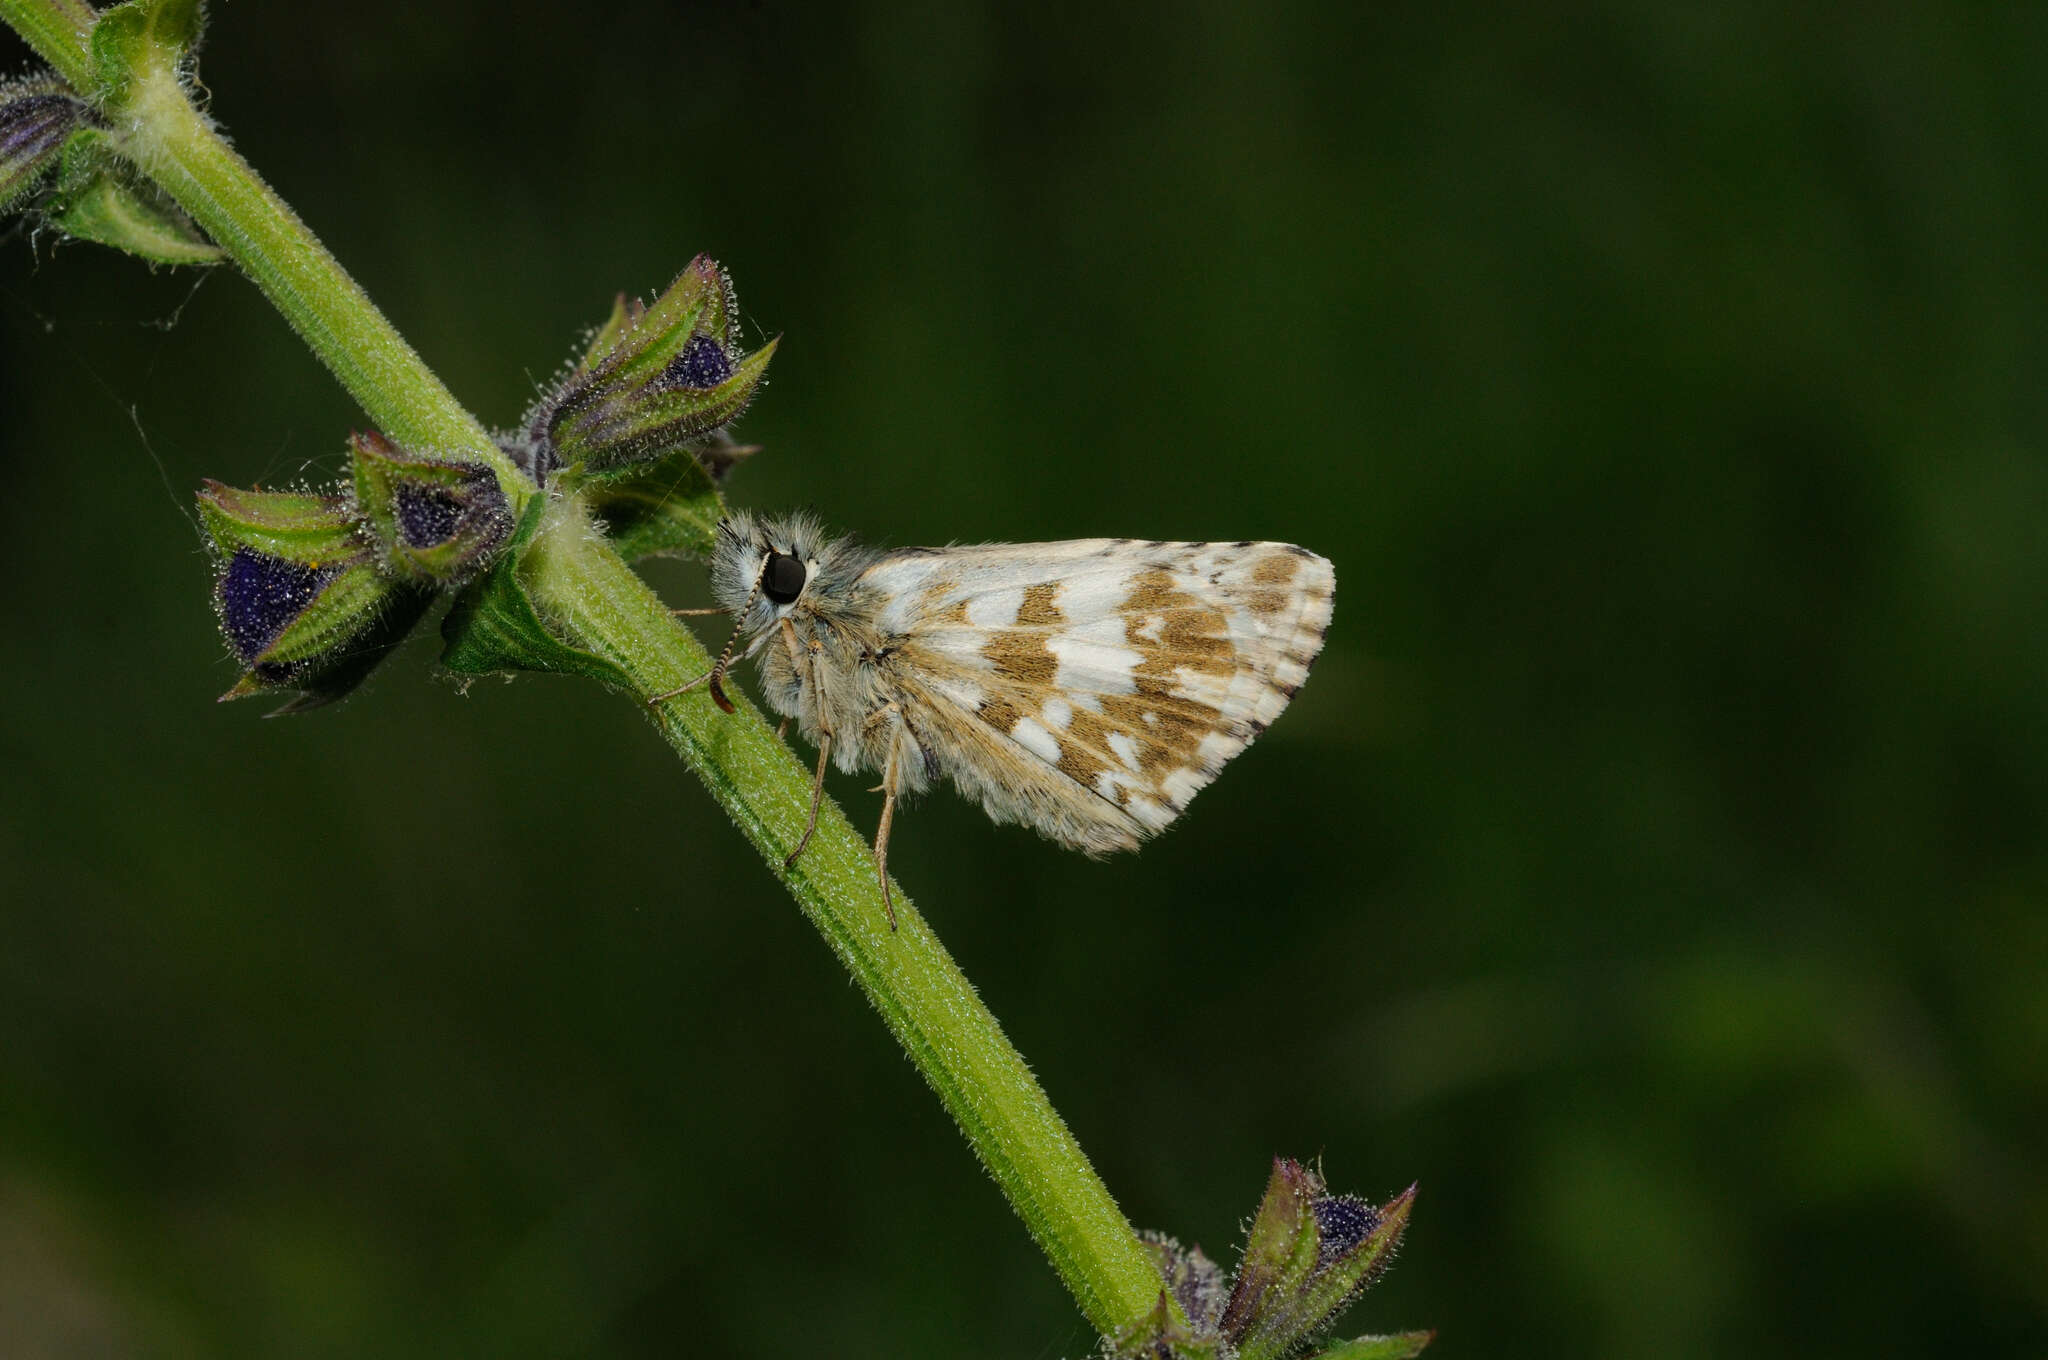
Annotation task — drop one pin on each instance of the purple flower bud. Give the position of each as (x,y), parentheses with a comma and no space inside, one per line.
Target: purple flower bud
(1307,1255)
(427,516)
(36,118)
(438,520)
(1342,1221)
(702,363)
(301,600)
(259,594)
(656,379)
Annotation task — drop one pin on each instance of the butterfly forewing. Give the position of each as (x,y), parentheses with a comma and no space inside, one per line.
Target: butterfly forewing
(1092,687)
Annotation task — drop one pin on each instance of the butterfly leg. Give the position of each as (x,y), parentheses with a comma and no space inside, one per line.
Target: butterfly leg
(882,835)
(817,795)
(803,662)
(889,710)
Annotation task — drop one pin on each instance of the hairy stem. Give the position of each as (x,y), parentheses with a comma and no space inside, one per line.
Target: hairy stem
(596,600)
(56,29)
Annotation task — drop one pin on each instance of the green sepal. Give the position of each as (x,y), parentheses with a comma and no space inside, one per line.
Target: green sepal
(139,36)
(1279,1254)
(436,520)
(666,507)
(37,117)
(1399,1346)
(310,528)
(1164,1334)
(101,198)
(637,338)
(494,628)
(1196,1283)
(357,593)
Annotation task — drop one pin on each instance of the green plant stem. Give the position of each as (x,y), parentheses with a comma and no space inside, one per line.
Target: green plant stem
(599,603)
(56,29)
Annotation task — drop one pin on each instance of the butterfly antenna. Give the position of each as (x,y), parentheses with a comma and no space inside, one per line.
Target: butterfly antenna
(725,657)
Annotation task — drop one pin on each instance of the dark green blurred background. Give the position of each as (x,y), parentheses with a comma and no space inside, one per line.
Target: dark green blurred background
(1654,868)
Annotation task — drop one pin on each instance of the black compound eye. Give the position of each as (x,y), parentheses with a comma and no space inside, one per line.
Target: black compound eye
(783,580)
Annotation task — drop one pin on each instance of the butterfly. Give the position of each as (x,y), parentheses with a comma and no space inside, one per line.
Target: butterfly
(1087,689)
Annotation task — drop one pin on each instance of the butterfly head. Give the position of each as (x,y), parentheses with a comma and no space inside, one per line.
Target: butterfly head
(761,567)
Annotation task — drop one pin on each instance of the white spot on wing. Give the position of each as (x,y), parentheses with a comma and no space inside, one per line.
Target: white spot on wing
(958,690)
(1126,750)
(1092,667)
(1058,713)
(1035,739)
(996,609)
(1103,632)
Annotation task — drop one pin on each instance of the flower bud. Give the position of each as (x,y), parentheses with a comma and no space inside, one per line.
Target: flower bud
(654,379)
(299,595)
(36,116)
(436,520)
(1307,1256)
(1196,1283)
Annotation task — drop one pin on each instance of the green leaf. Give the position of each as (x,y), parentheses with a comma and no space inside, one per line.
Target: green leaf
(142,36)
(494,628)
(100,198)
(1400,1346)
(665,507)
